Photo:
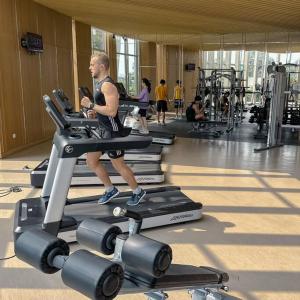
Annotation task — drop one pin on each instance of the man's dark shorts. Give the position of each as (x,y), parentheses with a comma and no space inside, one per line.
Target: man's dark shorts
(162,106)
(106,134)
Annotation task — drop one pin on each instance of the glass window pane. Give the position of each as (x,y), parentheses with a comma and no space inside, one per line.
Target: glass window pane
(98,39)
(272,57)
(283,58)
(132,75)
(121,77)
(233,58)
(226,60)
(120,43)
(131,46)
(295,58)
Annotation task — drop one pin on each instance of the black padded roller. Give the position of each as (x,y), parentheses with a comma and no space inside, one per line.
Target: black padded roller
(97,235)
(36,247)
(146,255)
(93,276)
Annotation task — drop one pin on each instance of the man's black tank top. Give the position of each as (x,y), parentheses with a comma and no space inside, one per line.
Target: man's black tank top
(112,124)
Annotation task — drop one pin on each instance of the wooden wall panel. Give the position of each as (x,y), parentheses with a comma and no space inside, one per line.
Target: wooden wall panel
(148,64)
(63,31)
(111,52)
(48,64)
(11,97)
(161,62)
(84,50)
(175,66)
(25,78)
(1,116)
(65,72)
(190,77)
(49,81)
(173,70)
(30,72)
(63,25)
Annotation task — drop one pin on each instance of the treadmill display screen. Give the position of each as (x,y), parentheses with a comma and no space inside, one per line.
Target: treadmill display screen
(63,100)
(121,89)
(54,113)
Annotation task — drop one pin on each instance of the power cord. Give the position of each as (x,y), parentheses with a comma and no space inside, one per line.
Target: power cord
(6,258)
(13,189)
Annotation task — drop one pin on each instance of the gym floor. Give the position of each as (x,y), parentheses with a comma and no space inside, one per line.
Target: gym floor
(250,227)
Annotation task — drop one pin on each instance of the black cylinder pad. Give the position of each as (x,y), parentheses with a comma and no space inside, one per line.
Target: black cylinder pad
(34,247)
(97,235)
(93,276)
(146,255)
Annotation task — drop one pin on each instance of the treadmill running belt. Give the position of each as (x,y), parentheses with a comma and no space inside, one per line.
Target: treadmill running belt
(145,172)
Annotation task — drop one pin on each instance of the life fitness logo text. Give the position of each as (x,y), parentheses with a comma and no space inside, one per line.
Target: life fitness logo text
(69,149)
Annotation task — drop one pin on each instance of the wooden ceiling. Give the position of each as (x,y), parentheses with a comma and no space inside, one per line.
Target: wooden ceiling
(194,23)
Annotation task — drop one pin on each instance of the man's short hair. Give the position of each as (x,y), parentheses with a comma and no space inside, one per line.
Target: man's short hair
(102,59)
(162,81)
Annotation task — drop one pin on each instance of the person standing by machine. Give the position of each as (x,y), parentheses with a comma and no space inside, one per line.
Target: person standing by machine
(161,96)
(105,109)
(178,99)
(144,98)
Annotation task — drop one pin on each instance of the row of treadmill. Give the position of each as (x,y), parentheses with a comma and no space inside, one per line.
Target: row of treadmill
(44,226)
(145,163)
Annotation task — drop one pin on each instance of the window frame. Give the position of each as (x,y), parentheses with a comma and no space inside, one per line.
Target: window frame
(128,55)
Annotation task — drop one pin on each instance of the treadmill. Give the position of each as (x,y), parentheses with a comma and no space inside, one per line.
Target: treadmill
(145,172)
(151,153)
(58,215)
(158,137)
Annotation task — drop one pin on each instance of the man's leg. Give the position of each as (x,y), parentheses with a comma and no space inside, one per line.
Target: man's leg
(164,118)
(158,117)
(181,108)
(144,120)
(127,174)
(176,110)
(94,164)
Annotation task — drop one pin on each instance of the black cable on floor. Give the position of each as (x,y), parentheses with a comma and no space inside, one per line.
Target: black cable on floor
(13,189)
(6,258)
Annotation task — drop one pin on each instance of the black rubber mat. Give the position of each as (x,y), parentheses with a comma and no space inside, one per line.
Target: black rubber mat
(243,133)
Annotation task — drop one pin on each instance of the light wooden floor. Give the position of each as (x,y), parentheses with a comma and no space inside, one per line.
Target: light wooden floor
(250,228)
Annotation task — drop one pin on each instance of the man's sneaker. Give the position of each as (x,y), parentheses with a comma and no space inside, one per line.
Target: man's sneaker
(136,198)
(144,131)
(107,196)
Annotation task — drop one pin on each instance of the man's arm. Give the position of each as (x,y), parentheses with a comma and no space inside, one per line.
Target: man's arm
(111,98)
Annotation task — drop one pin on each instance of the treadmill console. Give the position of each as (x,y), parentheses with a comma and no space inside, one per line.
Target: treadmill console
(55,114)
(85,92)
(63,100)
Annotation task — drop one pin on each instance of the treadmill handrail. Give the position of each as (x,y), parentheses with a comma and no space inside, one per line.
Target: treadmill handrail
(68,146)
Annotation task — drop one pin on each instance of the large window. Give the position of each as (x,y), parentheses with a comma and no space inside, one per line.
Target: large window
(127,63)
(98,40)
(254,63)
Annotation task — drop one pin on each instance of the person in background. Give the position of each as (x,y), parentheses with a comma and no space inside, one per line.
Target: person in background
(178,99)
(161,96)
(195,111)
(144,98)
(224,101)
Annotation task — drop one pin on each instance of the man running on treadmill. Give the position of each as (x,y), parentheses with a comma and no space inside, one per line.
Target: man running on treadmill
(105,109)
